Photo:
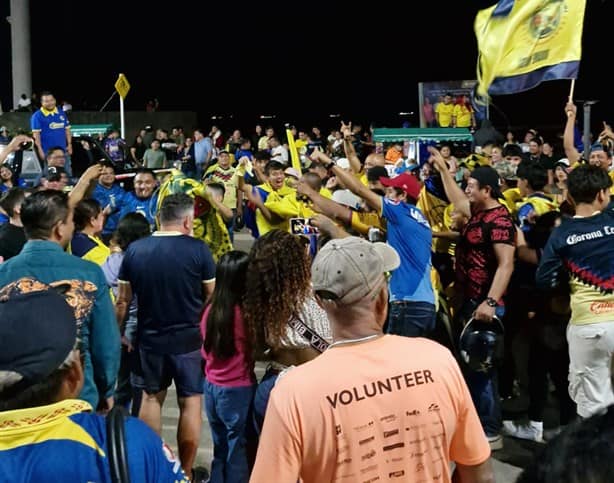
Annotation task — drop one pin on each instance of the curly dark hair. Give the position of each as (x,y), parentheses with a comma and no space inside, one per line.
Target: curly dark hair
(278,283)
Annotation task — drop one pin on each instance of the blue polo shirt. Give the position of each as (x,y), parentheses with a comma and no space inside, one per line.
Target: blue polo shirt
(65,442)
(52,126)
(410,235)
(99,337)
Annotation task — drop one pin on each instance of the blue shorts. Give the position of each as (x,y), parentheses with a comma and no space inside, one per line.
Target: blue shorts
(159,370)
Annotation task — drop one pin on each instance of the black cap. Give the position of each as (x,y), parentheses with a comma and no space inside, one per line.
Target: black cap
(377,172)
(37,332)
(487,176)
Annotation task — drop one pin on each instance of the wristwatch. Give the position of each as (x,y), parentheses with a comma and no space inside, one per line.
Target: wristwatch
(491,302)
(330,165)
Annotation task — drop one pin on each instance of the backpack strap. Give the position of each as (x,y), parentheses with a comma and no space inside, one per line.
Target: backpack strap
(116,446)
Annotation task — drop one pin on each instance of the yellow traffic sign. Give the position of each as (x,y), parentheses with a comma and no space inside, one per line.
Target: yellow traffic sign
(122,86)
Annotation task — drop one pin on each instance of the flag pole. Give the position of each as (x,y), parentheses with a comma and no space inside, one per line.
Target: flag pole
(571,89)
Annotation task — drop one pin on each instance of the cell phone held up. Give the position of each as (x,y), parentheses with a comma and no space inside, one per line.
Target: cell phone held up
(302,226)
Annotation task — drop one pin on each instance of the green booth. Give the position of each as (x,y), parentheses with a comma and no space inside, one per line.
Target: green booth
(414,138)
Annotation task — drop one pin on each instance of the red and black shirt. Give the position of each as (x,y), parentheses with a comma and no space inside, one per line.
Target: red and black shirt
(476,261)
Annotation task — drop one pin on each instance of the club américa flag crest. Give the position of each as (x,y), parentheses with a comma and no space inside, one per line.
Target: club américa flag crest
(522,43)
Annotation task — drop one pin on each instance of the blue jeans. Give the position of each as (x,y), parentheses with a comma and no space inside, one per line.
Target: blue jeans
(227,410)
(261,398)
(484,386)
(200,170)
(411,319)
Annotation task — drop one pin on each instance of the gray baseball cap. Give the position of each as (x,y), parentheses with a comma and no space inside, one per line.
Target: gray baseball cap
(346,270)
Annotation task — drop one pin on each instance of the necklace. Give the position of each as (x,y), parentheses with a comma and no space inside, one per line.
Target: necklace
(352,341)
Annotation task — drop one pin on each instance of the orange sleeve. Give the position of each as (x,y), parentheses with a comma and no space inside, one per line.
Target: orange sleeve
(469,445)
(279,450)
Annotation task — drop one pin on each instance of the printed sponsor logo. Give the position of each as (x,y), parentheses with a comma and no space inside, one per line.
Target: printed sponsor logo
(338,429)
(362,427)
(366,440)
(415,427)
(433,407)
(368,468)
(574,238)
(390,447)
(345,461)
(418,441)
(388,419)
(418,454)
(396,474)
(368,455)
(601,307)
(387,434)
(415,412)
(419,467)
(371,480)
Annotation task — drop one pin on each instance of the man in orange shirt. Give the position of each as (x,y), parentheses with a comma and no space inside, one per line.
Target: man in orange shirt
(372,407)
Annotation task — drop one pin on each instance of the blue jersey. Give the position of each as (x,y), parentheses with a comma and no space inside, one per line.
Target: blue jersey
(62,442)
(113,197)
(146,207)
(52,126)
(410,235)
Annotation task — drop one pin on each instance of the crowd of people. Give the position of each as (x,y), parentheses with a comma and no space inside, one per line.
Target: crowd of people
(385,297)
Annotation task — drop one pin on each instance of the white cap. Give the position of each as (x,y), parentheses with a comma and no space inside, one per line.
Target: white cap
(347,198)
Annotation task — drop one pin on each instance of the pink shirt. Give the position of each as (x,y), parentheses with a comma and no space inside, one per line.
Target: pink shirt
(236,371)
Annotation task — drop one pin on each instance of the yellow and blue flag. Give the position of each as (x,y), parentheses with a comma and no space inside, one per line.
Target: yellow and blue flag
(522,43)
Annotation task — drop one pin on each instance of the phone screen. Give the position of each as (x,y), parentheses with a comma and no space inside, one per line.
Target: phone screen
(302,226)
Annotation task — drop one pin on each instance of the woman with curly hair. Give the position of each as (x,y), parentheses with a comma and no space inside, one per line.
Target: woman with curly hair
(278,303)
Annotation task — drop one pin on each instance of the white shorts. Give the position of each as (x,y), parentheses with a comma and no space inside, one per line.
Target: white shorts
(590,355)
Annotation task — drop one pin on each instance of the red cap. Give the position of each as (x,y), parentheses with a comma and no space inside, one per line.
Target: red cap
(406,182)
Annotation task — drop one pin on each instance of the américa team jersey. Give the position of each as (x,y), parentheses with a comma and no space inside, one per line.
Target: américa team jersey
(66,442)
(581,251)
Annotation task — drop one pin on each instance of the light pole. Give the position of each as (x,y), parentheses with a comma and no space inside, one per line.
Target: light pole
(20,49)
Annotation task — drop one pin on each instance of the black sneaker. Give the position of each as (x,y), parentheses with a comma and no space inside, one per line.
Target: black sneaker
(200,474)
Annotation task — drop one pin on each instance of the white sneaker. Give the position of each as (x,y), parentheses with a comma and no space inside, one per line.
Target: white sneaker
(495,442)
(531,431)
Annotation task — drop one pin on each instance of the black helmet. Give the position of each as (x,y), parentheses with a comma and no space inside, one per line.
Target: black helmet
(481,344)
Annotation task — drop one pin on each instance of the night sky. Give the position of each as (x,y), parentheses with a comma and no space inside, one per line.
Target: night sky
(299,60)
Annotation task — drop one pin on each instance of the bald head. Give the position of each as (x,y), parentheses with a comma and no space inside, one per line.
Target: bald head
(375,159)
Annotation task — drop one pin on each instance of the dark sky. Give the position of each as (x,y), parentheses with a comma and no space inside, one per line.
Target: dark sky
(300,60)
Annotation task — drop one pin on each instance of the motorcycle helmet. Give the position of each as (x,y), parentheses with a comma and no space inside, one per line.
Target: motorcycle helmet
(481,344)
